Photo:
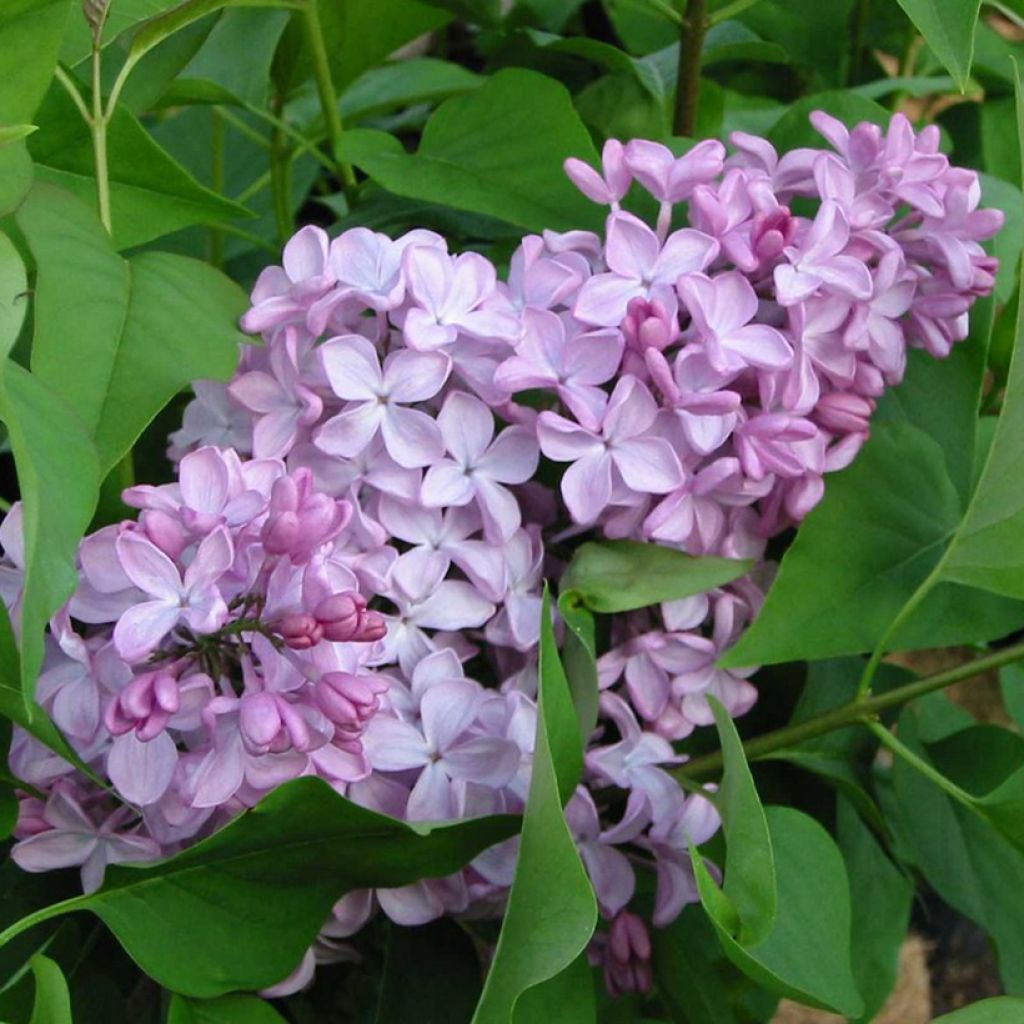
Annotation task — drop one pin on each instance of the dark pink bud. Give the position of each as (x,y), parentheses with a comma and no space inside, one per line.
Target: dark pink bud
(349,700)
(844,412)
(146,705)
(300,630)
(345,618)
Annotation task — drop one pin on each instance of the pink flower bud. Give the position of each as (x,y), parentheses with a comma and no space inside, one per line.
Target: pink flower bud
(300,630)
(349,700)
(146,705)
(844,412)
(345,617)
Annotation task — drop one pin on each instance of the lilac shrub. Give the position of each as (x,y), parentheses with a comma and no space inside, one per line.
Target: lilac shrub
(345,580)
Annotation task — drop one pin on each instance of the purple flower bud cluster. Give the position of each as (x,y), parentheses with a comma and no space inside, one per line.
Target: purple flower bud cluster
(345,581)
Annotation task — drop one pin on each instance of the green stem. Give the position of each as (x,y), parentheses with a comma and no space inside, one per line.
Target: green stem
(901,750)
(72,90)
(328,95)
(98,124)
(691,43)
(855,713)
(908,609)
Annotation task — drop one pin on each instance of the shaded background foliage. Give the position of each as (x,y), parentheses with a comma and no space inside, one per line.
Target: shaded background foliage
(154,156)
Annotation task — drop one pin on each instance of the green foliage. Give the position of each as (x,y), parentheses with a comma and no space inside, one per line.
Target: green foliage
(236,1009)
(620,576)
(151,324)
(220,134)
(880,899)
(551,910)
(253,896)
(52,1000)
(1001,1010)
(497,151)
(948,28)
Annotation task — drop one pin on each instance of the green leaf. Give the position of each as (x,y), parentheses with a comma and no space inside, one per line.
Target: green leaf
(948,28)
(806,955)
(696,981)
(358,34)
(568,997)
(964,859)
(623,575)
(815,35)
(880,898)
(1006,246)
(580,658)
(151,194)
(217,63)
(53,1001)
(497,151)
(15,133)
(988,548)
(155,30)
(750,869)
(561,726)
(53,456)
(1001,1010)
(1011,680)
(235,1009)
(987,762)
(405,82)
(252,897)
(137,331)
(15,175)
(416,959)
(31,31)
(551,911)
(13,295)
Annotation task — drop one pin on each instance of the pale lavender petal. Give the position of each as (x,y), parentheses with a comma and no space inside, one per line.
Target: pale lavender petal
(141,772)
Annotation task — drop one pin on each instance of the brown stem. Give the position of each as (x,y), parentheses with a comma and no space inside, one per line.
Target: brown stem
(855,712)
(691,43)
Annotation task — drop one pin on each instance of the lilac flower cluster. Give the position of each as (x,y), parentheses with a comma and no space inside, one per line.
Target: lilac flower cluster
(345,580)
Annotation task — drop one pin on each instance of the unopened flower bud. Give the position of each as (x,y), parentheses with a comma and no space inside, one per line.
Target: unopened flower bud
(844,412)
(345,617)
(627,959)
(146,705)
(300,630)
(349,700)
